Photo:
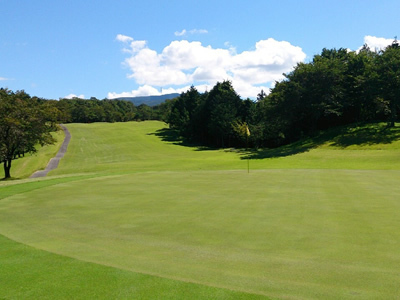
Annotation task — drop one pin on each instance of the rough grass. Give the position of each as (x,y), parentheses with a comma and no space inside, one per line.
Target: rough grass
(317,219)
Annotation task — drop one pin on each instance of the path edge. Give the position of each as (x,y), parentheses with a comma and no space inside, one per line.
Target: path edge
(53,163)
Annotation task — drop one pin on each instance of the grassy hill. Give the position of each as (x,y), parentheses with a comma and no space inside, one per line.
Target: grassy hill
(132,211)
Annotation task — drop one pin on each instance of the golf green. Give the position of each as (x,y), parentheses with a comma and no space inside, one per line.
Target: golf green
(309,233)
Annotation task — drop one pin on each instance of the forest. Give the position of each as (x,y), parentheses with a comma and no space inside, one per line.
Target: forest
(337,87)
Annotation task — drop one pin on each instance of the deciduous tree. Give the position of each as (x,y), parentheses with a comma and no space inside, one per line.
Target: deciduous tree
(24,124)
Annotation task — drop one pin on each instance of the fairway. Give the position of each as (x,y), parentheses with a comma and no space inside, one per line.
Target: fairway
(321,223)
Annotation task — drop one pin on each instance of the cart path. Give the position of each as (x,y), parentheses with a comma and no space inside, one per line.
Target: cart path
(53,163)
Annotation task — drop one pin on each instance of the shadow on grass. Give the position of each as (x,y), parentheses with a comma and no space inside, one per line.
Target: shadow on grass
(282,151)
(369,134)
(3,179)
(172,136)
(341,137)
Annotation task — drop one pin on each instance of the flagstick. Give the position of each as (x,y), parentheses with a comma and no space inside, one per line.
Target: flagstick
(247,146)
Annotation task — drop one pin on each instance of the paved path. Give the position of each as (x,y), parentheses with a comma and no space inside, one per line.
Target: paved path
(53,163)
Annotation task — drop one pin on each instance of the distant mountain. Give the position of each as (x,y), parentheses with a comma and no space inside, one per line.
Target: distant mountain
(149,100)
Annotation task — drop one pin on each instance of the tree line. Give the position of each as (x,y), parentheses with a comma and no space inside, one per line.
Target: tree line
(337,87)
(91,110)
(26,122)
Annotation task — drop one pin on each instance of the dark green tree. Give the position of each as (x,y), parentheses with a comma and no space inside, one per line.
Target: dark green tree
(183,113)
(223,106)
(261,95)
(360,87)
(24,124)
(389,78)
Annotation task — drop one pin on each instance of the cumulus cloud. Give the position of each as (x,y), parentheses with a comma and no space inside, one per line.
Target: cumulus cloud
(71,96)
(183,63)
(377,43)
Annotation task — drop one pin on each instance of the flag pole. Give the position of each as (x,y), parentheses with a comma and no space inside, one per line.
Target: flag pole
(247,146)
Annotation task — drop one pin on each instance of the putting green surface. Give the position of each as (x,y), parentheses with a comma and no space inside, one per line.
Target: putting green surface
(309,229)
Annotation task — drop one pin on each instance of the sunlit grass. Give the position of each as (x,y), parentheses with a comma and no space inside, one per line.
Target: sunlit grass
(316,219)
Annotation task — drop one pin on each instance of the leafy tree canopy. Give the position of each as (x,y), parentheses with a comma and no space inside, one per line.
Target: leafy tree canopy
(24,124)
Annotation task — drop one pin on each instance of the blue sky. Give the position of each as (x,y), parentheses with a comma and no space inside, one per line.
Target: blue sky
(55,49)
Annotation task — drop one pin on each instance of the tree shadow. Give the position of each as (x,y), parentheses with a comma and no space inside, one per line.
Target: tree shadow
(8,179)
(340,137)
(282,151)
(370,134)
(172,136)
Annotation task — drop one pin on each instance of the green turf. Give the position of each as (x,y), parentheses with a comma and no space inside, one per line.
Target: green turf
(135,147)
(318,219)
(28,273)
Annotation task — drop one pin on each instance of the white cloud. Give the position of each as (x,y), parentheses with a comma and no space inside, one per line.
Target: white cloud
(124,38)
(134,46)
(376,43)
(198,31)
(193,31)
(183,63)
(71,96)
(3,79)
(232,49)
(147,90)
(267,62)
(180,33)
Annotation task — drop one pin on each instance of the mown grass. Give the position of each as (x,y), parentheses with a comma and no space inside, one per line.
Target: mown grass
(137,147)
(29,273)
(317,223)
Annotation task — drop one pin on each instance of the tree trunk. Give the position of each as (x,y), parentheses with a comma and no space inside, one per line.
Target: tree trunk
(7,167)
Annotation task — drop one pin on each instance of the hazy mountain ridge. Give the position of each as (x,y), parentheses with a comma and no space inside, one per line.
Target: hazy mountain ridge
(149,100)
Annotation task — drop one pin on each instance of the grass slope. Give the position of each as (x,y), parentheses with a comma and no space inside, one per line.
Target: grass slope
(135,147)
(317,219)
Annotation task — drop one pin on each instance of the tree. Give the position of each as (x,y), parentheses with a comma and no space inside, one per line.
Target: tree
(24,124)
(261,95)
(361,86)
(183,111)
(223,106)
(389,78)
(144,112)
